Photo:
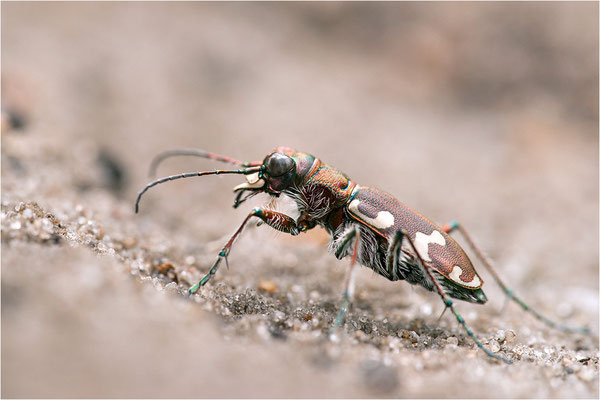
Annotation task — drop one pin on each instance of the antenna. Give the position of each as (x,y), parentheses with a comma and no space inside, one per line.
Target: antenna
(245,171)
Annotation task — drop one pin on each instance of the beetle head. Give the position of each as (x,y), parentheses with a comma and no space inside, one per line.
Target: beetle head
(277,173)
(274,175)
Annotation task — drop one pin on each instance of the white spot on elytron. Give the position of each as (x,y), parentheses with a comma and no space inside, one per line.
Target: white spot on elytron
(384,219)
(455,276)
(422,243)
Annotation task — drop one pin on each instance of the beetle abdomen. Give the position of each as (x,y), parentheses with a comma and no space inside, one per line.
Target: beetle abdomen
(373,251)
(385,215)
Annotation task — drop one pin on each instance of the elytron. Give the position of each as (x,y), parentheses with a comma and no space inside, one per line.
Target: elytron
(369,225)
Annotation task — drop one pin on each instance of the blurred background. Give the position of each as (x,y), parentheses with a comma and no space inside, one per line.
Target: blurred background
(486,113)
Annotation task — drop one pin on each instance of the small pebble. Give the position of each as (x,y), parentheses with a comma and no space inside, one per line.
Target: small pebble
(129,242)
(190,260)
(168,270)
(520,350)
(278,315)
(586,374)
(567,362)
(499,336)
(27,213)
(267,286)
(171,287)
(509,335)
(426,309)
(157,284)
(315,295)
(494,346)
(360,335)
(411,335)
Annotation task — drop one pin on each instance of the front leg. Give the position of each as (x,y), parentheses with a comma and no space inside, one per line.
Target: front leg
(274,219)
(306,222)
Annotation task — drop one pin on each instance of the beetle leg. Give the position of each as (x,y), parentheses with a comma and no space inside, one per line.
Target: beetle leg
(394,254)
(276,220)
(455,226)
(239,199)
(345,241)
(305,222)
(393,258)
(353,234)
(447,302)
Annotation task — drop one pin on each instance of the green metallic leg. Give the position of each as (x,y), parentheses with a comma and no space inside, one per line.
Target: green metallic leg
(455,226)
(349,287)
(448,303)
(279,221)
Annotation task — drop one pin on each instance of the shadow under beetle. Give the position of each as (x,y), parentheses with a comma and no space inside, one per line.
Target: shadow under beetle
(372,226)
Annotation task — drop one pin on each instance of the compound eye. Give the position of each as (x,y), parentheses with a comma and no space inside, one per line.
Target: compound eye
(278,164)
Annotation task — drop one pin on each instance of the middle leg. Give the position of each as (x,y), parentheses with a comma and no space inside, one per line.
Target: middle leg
(351,235)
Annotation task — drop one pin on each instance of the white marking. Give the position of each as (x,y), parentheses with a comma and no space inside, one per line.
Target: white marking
(457,272)
(254,182)
(384,219)
(252,178)
(422,243)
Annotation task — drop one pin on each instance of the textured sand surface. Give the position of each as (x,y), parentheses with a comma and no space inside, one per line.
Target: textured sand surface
(483,113)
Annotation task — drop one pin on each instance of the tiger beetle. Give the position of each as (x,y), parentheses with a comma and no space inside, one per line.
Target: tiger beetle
(372,226)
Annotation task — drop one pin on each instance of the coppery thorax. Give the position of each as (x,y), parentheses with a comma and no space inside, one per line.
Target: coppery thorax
(324,192)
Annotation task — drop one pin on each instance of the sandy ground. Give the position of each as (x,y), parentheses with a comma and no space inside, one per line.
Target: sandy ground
(483,113)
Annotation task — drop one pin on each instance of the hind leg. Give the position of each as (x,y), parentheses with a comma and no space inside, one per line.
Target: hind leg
(447,302)
(455,226)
